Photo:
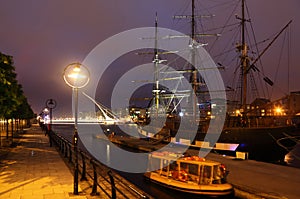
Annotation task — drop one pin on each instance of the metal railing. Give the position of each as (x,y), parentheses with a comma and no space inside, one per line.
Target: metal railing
(91,170)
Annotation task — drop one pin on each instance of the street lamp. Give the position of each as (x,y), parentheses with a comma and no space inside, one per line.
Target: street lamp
(50,104)
(76,76)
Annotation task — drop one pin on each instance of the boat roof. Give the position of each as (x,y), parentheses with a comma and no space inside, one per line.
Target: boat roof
(179,158)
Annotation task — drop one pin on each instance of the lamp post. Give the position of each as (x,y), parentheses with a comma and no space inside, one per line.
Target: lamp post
(50,104)
(76,76)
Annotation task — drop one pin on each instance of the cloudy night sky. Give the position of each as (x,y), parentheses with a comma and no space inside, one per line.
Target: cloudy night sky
(44,36)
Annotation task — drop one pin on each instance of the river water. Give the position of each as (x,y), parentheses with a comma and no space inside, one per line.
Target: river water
(292,159)
(135,178)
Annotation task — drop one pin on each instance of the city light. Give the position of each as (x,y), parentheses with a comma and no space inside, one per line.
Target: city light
(278,111)
(76,75)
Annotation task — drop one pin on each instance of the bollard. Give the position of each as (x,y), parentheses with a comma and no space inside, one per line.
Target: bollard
(94,189)
(113,188)
(83,173)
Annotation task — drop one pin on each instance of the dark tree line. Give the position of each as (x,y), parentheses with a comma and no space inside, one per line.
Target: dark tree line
(14,106)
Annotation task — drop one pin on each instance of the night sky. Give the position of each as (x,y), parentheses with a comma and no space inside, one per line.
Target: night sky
(45,36)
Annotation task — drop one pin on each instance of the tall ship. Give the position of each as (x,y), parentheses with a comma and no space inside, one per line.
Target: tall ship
(262,129)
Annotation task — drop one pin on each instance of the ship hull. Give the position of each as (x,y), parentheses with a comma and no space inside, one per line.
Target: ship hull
(264,143)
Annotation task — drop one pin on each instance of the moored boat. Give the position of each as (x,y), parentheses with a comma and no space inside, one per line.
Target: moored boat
(192,175)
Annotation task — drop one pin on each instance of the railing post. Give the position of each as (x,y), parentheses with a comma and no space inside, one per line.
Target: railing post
(70,153)
(50,137)
(62,146)
(66,149)
(113,188)
(76,166)
(94,189)
(83,173)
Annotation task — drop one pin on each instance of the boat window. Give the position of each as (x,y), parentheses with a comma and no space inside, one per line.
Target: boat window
(183,166)
(217,175)
(193,169)
(205,177)
(173,166)
(207,171)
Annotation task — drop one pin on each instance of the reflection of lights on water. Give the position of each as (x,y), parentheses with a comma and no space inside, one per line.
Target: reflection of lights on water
(242,145)
(288,158)
(108,154)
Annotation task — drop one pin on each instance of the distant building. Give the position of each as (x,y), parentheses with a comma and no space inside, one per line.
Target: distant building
(260,107)
(292,103)
(287,106)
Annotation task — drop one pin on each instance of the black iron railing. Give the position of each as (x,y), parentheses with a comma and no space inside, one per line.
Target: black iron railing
(91,170)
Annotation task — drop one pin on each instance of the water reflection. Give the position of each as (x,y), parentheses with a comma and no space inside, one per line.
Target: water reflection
(293,157)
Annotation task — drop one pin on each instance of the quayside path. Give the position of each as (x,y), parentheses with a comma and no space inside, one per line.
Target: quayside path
(34,170)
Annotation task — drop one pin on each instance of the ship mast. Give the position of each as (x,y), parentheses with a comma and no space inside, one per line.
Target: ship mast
(194,74)
(156,62)
(244,59)
(193,19)
(193,47)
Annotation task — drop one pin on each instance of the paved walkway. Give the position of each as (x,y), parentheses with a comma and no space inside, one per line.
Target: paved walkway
(35,170)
